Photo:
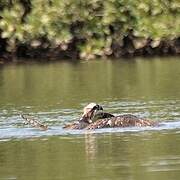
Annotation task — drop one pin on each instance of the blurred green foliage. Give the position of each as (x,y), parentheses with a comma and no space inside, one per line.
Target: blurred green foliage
(97,23)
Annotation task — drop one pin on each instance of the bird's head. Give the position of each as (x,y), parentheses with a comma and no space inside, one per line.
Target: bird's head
(90,111)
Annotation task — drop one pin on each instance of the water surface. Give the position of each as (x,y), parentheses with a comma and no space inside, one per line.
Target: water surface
(56,93)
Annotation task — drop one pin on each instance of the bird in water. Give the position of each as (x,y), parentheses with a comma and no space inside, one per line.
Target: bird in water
(94,118)
(90,112)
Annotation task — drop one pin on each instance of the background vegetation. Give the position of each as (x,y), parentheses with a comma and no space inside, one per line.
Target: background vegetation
(86,29)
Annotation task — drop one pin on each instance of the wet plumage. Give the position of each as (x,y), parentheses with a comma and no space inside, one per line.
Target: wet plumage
(94,118)
(126,120)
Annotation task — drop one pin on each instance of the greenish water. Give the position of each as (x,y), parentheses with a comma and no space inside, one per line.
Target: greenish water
(56,93)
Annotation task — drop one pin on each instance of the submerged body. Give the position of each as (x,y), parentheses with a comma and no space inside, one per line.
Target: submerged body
(76,125)
(106,120)
(94,118)
(126,120)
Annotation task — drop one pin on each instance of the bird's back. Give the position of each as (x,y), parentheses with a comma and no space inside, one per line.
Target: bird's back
(126,120)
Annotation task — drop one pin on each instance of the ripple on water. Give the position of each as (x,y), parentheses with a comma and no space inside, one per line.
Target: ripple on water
(163,163)
(19,133)
(11,124)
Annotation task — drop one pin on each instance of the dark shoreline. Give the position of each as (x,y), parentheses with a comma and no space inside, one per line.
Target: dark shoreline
(128,51)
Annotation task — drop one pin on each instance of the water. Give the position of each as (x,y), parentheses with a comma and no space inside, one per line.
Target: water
(56,93)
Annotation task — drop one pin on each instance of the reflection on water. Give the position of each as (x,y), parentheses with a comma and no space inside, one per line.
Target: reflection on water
(112,156)
(68,85)
(56,93)
(90,146)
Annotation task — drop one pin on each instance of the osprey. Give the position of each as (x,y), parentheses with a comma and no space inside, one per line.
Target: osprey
(89,114)
(94,118)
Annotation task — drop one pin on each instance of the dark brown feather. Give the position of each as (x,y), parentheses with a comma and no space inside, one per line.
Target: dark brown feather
(126,120)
